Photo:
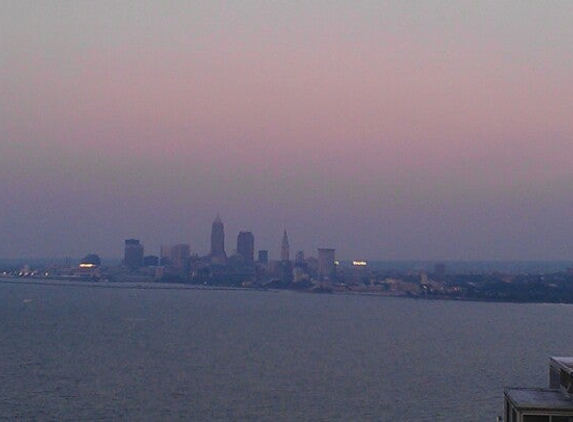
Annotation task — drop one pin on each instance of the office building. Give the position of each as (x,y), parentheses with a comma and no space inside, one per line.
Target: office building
(164,255)
(179,256)
(246,248)
(218,254)
(326,265)
(263,256)
(285,247)
(133,254)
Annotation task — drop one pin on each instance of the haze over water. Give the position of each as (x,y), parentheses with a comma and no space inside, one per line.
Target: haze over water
(90,353)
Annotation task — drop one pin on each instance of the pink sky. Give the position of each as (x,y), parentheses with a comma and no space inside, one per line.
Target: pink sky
(395,140)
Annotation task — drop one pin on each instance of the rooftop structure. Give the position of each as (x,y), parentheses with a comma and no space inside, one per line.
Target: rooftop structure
(553,404)
(561,374)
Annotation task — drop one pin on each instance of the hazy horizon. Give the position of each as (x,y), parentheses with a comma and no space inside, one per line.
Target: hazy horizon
(387,130)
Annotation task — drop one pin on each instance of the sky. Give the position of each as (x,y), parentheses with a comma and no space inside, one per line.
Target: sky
(426,130)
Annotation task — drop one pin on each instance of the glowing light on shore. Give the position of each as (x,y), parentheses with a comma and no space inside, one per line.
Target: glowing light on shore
(359,263)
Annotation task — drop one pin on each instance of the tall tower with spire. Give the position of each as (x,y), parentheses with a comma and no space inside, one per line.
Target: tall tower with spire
(285,247)
(218,254)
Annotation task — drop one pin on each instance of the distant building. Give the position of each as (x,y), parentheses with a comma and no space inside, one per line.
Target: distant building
(285,247)
(285,271)
(90,260)
(326,265)
(299,274)
(218,254)
(133,254)
(246,248)
(263,256)
(179,256)
(553,404)
(150,261)
(299,257)
(176,259)
(89,268)
(312,264)
(164,255)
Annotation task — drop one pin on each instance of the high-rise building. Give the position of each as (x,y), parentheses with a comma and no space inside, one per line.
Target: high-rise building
(164,255)
(133,254)
(218,254)
(179,259)
(285,247)
(246,248)
(326,265)
(263,256)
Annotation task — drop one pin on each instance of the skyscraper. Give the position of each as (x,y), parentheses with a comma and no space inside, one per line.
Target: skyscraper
(285,247)
(133,254)
(218,254)
(246,248)
(179,259)
(326,266)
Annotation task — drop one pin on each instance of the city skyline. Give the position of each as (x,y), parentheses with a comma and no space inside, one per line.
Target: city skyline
(388,130)
(216,252)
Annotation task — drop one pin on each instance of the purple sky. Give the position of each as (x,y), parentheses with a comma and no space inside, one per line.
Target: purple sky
(408,130)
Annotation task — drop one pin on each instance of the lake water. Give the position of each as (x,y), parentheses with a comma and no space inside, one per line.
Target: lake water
(86,353)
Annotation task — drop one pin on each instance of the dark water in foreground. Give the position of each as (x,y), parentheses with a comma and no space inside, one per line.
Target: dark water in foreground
(82,353)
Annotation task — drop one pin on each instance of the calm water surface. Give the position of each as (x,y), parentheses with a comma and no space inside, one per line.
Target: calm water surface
(85,353)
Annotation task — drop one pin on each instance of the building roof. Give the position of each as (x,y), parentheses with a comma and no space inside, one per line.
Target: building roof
(538,399)
(563,362)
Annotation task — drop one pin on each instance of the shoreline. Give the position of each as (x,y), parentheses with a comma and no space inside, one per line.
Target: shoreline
(138,285)
(120,284)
